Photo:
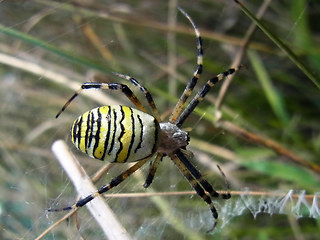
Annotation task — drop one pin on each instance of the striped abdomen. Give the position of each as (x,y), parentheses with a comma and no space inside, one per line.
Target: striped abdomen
(116,134)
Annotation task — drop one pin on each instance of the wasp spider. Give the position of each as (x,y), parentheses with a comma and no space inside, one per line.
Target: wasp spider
(123,134)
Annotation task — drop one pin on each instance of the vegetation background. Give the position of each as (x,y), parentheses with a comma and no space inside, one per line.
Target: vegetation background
(48,48)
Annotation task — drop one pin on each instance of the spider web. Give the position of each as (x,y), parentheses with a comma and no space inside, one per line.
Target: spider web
(295,203)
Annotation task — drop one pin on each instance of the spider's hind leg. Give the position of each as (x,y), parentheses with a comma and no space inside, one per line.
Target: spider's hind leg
(198,176)
(225,195)
(196,186)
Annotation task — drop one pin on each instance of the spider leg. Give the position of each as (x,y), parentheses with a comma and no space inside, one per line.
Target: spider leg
(193,81)
(152,170)
(228,195)
(198,176)
(196,186)
(146,93)
(114,182)
(106,86)
(202,93)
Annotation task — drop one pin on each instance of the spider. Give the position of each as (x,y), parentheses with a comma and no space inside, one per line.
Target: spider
(123,134)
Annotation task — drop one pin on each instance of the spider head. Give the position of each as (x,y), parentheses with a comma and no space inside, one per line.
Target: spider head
(172,138)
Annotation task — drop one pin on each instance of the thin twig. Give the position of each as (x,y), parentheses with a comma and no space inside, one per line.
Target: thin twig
(69,214)
(309,197)
(256,139)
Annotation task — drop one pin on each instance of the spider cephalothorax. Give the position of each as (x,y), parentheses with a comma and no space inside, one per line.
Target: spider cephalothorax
(172,138)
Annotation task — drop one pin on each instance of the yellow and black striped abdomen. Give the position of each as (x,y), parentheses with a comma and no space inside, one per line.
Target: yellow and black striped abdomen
(116,134)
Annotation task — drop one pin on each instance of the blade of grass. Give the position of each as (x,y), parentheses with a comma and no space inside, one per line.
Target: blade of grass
(303,33)
(304,68)
(273,96)
(51,48)
(295,174)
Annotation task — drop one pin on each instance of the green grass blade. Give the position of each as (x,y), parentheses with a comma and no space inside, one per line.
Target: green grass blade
(295,174)
(303,34)
(304,68)
(51,48)
(273,96)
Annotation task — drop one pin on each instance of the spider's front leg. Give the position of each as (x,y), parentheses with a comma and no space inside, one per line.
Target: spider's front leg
(106,86)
